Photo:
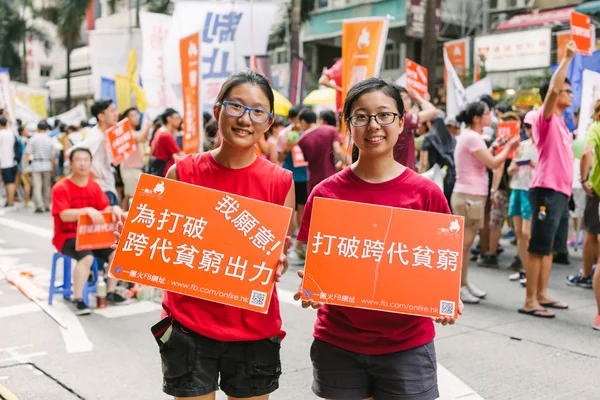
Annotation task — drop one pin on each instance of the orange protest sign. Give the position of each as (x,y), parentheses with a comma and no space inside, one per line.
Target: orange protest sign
(298,157)
(416,78)
(562,38)
(458,54)
(363,45)
(91,236)
(189,52)
(505,131)
(224,248)
(383,258)
(581,32)
(122,142)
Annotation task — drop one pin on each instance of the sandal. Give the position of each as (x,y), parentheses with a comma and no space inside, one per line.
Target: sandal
(536,313)
(557,305)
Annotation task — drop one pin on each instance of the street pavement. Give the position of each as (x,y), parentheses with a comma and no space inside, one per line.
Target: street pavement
(492,353)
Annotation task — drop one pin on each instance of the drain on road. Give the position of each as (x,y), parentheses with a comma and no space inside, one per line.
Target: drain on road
(27,381)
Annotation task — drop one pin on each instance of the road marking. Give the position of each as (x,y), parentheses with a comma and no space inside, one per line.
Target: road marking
(14,252)
(19,309)
(139,307)
(75,338)
(22,226)
(7,394)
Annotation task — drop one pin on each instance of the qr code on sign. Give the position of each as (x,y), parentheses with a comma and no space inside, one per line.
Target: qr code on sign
(258,298)
(447,308)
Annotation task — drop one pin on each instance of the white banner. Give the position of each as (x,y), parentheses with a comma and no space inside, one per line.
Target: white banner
(590,94)
(478,89)
(456,95)
(5,94)
(72,117)
(515,50)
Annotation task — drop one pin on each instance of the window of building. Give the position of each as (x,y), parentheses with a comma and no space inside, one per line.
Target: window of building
(493,4)
(45,71)
(322,3)
(392,55)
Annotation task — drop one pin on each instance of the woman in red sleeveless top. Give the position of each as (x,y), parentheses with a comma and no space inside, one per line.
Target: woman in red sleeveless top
(200,340)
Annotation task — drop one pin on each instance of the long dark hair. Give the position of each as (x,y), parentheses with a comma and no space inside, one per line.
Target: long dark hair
(250,77)
(367,86)
(475,109)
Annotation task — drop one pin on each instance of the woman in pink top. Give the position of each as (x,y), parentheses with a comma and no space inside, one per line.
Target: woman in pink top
(472,157)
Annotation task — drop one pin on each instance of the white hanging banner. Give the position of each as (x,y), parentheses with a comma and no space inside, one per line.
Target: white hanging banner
(72,117)
(456,95)
(590,94)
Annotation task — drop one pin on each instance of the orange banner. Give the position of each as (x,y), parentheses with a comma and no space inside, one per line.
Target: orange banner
(562,38)
(189,51)
(383,258)
(581,32)
(458,54)
(298,157)
(91,236)
(224,248)
(122,142)
(505,131)
(416,78)
(363,45)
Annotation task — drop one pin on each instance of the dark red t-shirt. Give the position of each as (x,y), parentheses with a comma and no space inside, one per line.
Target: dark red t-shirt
(335,74)
(317,147)
(262,180)
(67,195)
(164,147)
(404,150)
(370,331)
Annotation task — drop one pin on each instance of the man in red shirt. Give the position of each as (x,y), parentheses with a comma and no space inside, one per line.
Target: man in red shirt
(164,147)
(404,151)
(332,78)
(78,195)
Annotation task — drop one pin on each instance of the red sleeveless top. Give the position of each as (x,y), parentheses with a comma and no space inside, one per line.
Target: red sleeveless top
(262,180)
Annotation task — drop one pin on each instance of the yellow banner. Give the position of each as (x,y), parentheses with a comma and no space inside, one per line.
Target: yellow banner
(123,93)
(37,102)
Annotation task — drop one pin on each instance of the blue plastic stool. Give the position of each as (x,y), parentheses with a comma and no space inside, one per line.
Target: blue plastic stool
(66,288)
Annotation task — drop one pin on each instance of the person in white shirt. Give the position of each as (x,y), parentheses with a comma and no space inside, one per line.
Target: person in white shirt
(40,150)
(8,163)
(131,167)
(97,143)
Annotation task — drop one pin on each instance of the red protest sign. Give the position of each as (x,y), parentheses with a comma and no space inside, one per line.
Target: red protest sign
(122,142)
(383,258)
(91,236)
(581,32)
(189,50)
(416,77)
(298,157)
(224,248)
(506,131)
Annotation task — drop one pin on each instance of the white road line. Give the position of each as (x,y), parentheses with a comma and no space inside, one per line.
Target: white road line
(139,307)
(14,252)
(19,309)
(23,357)
(75,338)
(22,226)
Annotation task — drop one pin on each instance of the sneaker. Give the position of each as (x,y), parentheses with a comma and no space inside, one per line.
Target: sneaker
(489,260)
(466,296)
(116,299)
(516,265)
(39,211)
(517,276)
(561,258)
(79,308)
(509,235)
(475,291)
(579,280)
(596,323)
(523,282)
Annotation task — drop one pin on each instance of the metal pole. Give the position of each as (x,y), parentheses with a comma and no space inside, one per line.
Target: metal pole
(486,16)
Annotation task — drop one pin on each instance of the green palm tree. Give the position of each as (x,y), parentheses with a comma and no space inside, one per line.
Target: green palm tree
(14,32)
(69,16)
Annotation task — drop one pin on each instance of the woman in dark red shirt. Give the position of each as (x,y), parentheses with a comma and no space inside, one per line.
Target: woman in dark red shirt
(200,340)
(366,354)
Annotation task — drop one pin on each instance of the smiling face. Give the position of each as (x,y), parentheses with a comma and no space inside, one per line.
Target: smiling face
(375,139)
(242,131)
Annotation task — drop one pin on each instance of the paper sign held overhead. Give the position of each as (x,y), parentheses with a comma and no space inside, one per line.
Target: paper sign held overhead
(581,32)
(506,131)
(122,142)
(383,258)
(298,157)
(224,248)
(416,77)
(91,236)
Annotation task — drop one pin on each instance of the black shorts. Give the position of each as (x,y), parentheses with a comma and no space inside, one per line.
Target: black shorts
(544,231)
(591,219)
(69,250)
(301,189)
(9,175)
(342,374)
(192,364)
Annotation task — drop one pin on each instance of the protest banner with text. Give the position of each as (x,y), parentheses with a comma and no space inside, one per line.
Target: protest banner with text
(383,258)
(224,248)
(92,236)
(506,131)
(122,141)
(189,52)
(416,78)
(581,32)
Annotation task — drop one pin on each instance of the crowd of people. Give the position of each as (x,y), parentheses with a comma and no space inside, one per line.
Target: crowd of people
(533,182)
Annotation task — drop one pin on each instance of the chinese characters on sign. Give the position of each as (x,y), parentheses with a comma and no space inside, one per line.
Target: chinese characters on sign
(505,131)
(416,77)
(189,52)
(91,236)
(387,252)
(122,142)
(581,32)
(224,249)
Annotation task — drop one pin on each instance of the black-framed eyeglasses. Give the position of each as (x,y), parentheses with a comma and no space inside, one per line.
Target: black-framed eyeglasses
(238,110)
(382,118)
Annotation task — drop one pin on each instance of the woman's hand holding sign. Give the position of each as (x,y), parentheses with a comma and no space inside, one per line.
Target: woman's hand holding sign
(117,233)
(449,320)
(305,303)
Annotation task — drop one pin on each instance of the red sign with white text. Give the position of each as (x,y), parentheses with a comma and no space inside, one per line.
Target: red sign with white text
(122,141)
(581,32)
(189,50)
(506,131)
(92,236)
(416,77)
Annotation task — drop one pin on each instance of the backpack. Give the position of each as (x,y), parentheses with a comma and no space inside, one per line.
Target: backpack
(18,149)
